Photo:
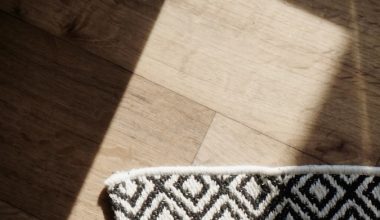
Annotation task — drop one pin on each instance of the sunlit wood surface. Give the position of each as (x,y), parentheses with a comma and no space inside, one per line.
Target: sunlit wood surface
(91,87)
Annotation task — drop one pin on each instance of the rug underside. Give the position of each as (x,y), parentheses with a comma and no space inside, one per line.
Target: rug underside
(304,192)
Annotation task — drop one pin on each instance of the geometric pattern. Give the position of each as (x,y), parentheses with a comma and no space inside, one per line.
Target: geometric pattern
(246,196)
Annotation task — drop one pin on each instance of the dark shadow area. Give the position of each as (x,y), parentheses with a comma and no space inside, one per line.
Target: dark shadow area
(57,100)
(347,129)
(105,204)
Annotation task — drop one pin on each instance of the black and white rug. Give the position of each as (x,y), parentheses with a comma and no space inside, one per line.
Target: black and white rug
(303,192)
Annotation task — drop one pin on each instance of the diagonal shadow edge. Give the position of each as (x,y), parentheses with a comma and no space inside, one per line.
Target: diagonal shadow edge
(56,131)
(346,130)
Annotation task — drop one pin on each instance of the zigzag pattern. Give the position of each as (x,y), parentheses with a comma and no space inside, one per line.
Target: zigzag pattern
(247,196)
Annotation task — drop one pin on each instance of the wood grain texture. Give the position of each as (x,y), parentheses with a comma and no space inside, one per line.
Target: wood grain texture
(303,72)
(230,143)
(116,30)
(297,77)
(8,212)
(68,119)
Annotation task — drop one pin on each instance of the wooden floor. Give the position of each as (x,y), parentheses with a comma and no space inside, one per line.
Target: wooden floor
(91,87)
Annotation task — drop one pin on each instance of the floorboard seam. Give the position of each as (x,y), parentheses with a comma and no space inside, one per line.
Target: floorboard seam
(203,139)
(275,139)
(132,72)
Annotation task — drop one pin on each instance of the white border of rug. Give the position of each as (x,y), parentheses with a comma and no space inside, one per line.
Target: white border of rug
(183,170)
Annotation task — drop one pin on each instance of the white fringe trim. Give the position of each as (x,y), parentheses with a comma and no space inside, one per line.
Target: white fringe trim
(184,170)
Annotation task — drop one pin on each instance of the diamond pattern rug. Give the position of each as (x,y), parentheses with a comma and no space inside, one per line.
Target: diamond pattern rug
(303,192)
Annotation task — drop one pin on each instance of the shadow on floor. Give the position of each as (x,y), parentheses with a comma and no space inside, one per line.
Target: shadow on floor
(347,129)
(57,101)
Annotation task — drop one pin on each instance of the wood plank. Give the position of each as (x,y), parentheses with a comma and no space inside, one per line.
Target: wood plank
(68,119)
(292,75)
(305,73)
(229,142)
(8,212)
(120,26)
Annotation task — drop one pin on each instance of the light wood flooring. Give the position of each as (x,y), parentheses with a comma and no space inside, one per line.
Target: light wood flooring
(94,86)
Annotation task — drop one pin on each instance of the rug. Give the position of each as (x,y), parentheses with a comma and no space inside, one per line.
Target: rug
(247,192)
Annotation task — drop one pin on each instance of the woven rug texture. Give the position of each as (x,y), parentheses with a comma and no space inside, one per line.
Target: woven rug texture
(305,192)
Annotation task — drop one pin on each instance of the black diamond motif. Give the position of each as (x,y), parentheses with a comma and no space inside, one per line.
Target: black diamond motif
(288,211)
(368,192)
(352,213)
(163,204)
(131,199)
(285,204)
(265,189)
(305,189)
(194,199)
(226,207)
